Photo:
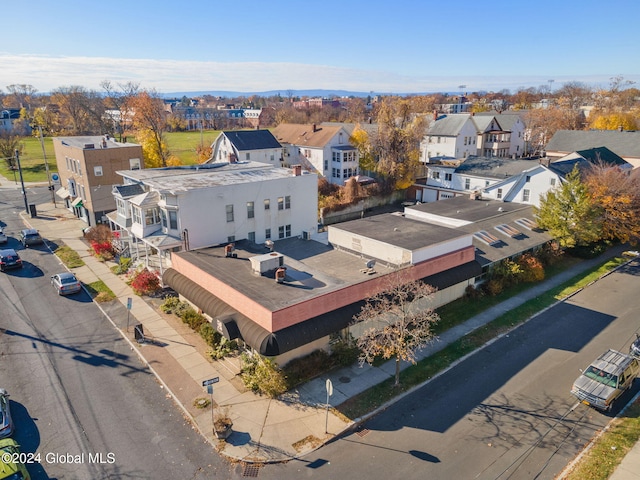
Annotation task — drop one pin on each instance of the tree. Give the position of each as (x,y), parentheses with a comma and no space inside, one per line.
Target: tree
(20,95)
(8,145)
(81,110)
(617,193)
(568,213)
(149,119)
(613,121)
(118,100)
(402,320)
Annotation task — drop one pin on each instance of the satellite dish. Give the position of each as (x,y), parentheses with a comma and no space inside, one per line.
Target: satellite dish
(371,263)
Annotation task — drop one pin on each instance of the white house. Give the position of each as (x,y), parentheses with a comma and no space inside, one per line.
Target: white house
(324,149)
(449,137)
(513,123)
(246,145)
(191,207)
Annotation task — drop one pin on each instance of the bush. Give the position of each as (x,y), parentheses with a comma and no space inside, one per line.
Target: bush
(473,293)
(98,234)
(103,250)
(550,253)
(209,334)
(303,369)
(145,282)
(262,375)
(588,251)
(494,287)
(344,352)
(194,319)
(181,308)
(532,269)
(170,304)
(124,263)
(223,348)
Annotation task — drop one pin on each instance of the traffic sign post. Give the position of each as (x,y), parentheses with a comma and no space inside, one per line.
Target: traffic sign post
(209,384)
(329,387)
(129,304)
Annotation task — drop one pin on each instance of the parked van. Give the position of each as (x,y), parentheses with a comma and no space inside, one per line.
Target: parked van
(608,376)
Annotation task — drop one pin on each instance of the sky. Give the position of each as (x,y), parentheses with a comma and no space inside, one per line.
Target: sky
(401,46)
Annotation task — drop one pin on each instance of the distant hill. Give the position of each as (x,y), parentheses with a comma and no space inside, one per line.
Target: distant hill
(284,93)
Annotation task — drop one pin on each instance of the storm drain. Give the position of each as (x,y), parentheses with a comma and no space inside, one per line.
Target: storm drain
(250,470)
(363,432)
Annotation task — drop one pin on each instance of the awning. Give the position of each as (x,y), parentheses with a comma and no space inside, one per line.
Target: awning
(77,202)
(63,193)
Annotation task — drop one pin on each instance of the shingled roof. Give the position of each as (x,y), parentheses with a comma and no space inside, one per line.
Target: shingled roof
(306,135)
(252,139)
(625,144)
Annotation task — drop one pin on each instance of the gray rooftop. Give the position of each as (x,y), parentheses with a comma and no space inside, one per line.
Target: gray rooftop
(625,144)
(95,140)
(464,209)
(494,167)
(397,230)
(191,177)
(448,125)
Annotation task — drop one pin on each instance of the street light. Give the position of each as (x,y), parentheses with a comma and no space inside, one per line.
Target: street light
(24,192)
(46,166)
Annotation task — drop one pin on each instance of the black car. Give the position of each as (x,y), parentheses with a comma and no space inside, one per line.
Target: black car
(30,236)
(9,259)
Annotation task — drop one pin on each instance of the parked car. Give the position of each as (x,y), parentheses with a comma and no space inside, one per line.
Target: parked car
(10,470)
(634,349)
(6,424)
(66,283)
(608,377)
(9,259)
(30,236)
(3,237)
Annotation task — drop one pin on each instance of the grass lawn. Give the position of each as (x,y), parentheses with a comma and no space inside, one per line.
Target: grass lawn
(182,144)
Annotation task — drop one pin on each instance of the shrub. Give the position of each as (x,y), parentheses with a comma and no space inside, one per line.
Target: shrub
(473,293)
(262,375)
(193,319)
(181,308)
(145,282)
(550,253)
(532,269)
(344,352)
(124,263)
(223,348)
(494,287)
(103,250)
(300,370)
(209,334)
(170,304)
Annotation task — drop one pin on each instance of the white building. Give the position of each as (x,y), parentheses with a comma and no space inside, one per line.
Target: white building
(324,149)
(246,145)
(191,207)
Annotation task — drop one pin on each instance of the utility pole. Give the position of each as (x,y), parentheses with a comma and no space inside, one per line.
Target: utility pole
(46,166)
(24,192)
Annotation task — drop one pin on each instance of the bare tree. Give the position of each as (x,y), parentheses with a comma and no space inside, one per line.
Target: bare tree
(118,101)
(402,321)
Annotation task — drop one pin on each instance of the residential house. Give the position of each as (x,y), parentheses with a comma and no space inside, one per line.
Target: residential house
(9,118)
(246,145)
(624,143)
(450,178)
(449,137)
(87,167)
(322,149)
(530,184)
(185,208)
(513,123)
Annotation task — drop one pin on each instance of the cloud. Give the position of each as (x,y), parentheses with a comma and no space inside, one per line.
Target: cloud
(49,72)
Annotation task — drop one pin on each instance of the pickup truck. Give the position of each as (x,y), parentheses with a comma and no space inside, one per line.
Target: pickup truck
(608,377)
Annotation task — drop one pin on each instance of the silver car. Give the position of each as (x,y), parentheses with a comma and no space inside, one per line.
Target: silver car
(66,283)
(6,424)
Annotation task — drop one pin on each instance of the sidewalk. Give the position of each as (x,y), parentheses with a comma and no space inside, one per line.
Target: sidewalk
(264,430)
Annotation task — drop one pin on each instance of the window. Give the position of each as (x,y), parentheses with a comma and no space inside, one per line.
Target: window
(552,181)
(287,230)
(281,232)
(528,178)
(267,204)
(229,213)
(267,234)
(272,157)
(280,203)
(173,220)
(448,177)
(287,202)
(467,183)
(97,171)
(525,195)
(326,165)
(251,236)
(499,194)
(231,239)
(250,211)
(137,215)
(151,216)
(435,175)
(163,218)
(121,206)
(486,183)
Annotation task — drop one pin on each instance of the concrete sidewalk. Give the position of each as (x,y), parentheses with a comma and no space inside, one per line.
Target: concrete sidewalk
(264,430)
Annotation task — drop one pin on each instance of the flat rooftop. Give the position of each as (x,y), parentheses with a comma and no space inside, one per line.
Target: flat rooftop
(465,209)
(313,269)
(95,140)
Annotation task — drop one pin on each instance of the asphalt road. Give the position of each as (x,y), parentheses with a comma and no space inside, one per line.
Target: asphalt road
(503,413)
(80,397)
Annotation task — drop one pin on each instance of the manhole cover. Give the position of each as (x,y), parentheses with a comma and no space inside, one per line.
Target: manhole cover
(250,470)
(344,379)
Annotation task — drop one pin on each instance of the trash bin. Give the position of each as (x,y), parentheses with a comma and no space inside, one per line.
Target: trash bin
(138,332)
(32,210)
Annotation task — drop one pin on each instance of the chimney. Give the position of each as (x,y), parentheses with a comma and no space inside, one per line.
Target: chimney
(233,158)
(315,128)
(620,128)
(297,170)
(280,274)
(435,115)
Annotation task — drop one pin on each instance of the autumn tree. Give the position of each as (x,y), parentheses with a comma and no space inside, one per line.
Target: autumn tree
(543,123)
(20,95)
(402,322)
(81,111)
(613,121)
(394,152)
(9,143)
(150,122)
(568,213)
(617,194)
(118,100)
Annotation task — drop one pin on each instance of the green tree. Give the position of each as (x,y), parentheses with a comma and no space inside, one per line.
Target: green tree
(402,321)
(568,213)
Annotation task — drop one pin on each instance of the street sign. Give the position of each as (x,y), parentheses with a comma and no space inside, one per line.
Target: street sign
(55,177)
(129,302)
(329,386)
(211,381)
